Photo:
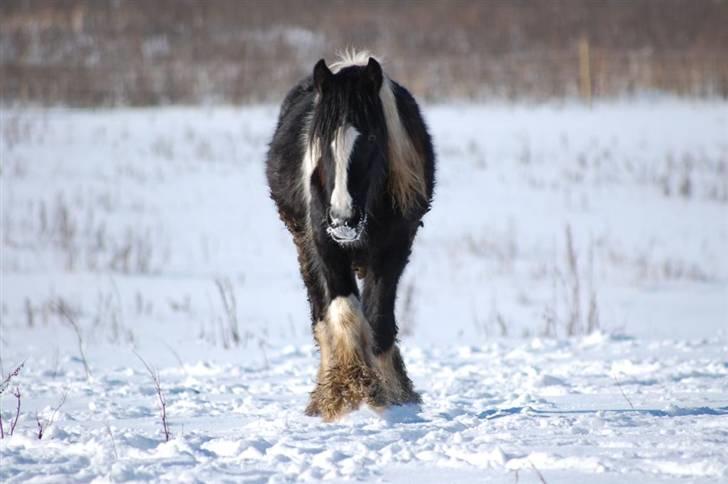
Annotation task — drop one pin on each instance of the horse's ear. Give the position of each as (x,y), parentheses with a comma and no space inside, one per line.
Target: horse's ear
(373,72)
(321,74)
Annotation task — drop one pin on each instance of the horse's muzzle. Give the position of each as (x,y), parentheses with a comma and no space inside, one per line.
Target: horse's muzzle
(347,231)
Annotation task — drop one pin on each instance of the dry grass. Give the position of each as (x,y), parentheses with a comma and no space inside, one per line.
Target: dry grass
(564,313)
(234,52)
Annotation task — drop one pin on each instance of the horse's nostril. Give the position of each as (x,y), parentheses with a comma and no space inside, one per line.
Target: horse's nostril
(354,215)
(338,220)
(335,221)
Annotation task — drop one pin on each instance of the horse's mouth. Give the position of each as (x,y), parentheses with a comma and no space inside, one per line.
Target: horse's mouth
(347,234)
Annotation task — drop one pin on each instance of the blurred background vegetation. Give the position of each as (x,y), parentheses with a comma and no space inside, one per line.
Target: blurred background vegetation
(127,52)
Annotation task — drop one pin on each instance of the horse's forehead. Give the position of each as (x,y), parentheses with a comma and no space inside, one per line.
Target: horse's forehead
(349,74)
(348,103)
(343,141)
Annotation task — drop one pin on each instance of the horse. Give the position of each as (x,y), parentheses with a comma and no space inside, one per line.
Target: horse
(351,170)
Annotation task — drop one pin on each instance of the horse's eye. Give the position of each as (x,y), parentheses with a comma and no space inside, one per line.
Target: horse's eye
(372,138)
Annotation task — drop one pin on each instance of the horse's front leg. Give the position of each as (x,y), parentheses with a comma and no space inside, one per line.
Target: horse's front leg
(346,376)
(380,291)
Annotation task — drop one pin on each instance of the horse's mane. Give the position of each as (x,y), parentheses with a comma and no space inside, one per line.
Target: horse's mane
(407,183)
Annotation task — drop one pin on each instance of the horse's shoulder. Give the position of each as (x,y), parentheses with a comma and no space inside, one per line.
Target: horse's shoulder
(294,108)
(300,95)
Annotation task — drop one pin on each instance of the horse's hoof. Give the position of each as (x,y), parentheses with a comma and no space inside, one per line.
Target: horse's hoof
(343,388)
(312,409)
(398,386)
(377,397)
(413,398)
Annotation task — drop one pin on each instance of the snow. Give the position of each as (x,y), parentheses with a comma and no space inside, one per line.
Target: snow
(563,315)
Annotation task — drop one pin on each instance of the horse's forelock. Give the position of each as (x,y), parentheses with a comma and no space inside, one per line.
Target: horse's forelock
(351,57)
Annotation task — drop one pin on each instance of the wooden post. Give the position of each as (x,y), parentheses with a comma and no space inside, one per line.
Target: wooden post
(585,82)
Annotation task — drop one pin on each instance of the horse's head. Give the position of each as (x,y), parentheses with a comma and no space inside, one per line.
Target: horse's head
(349,137)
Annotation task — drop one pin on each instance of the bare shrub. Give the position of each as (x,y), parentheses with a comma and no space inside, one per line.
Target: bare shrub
(110,310)
(538,473)
(550,312)
(406,319)
(16,394)
(686,186)
(496,319)
(573,272)
(43,426)
(621,390)
(133,253)
(29,313)
(160,396)
(502,247)
(230,305)
(68,314)
(183,305)
(3,386)
(106,311)
(592,320)
(6,382)
(568,286)
(65,228)
(113,441)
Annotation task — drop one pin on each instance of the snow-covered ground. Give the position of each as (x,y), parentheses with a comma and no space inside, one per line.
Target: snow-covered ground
(564,315)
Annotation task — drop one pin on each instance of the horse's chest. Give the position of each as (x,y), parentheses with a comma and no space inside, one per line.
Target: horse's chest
(359,264)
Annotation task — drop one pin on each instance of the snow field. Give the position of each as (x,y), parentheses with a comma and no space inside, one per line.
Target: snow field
(564,313)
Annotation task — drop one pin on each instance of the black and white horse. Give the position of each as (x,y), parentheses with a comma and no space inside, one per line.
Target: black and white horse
(351,170)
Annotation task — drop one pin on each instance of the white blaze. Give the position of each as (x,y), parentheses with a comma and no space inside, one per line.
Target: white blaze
(341,147)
